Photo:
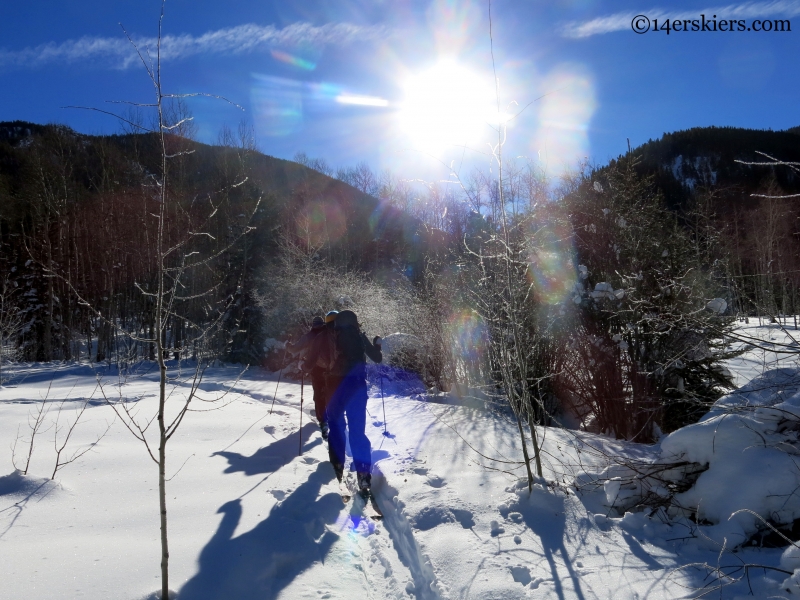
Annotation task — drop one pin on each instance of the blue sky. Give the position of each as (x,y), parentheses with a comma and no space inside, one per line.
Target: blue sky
(409,85)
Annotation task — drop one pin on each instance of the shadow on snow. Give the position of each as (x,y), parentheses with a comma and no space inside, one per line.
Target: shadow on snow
(263,561)
(272,457)
(551,532)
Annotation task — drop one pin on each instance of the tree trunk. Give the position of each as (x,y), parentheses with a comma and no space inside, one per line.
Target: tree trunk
(160,327)
(525,451)
(535,442)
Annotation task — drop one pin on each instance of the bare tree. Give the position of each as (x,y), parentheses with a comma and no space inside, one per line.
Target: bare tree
(35,421)
(10,321)
(183,299)
(60,442)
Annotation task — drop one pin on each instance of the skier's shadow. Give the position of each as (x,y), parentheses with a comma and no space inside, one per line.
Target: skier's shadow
(271,458)
(263,561)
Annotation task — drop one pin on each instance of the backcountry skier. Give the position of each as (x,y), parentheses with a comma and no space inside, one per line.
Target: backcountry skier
(347,408)
(305,347)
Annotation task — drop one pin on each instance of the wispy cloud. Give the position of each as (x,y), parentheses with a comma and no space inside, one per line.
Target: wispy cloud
(622,20)
(118,52)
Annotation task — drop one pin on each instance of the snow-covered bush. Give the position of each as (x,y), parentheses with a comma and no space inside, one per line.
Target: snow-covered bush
(732,473)
(293,294)
(297,289)
(405,351)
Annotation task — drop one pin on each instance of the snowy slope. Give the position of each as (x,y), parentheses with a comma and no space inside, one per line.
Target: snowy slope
(249,518)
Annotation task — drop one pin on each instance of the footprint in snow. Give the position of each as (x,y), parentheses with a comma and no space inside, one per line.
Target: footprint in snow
(521,574)
(536,583)
(432,516)
(464,517)
(435,481)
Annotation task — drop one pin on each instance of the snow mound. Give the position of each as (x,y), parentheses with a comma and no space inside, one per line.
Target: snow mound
(732,473)
(17,485)
(790,561)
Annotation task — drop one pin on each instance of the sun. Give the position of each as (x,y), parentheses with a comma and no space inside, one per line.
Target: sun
(447,105)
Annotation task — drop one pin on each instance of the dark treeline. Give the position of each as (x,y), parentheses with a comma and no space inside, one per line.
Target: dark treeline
(734,207)
(77,228)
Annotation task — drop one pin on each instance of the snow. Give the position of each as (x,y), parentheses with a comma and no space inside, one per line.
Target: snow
(717,305)
(249,518)
(605,290)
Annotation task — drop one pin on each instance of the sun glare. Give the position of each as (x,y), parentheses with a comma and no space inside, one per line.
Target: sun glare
(447,105)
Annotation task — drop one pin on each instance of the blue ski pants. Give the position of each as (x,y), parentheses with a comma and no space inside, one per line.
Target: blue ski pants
(347,416)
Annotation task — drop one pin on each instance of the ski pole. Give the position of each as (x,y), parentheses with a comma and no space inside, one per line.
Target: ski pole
(386,433)
(302,381)
(286,349)
(378,342)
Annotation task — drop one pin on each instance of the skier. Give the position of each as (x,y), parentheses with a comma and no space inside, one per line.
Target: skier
(347,407)
(304,347)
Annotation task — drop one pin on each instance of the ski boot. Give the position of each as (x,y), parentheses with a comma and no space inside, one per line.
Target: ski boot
(364,483)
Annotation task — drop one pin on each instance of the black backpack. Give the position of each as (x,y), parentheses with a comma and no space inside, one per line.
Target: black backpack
(348,343)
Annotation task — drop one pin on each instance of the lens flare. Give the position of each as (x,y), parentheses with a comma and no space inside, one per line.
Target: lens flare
(361,100)
(294,61)
(469,335)
(561,139)
(277,105)
(280,105)
(551,264)
(321,222)
(456,24)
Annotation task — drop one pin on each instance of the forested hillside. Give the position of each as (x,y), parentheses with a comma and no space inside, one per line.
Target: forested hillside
(77,226)
(712,178)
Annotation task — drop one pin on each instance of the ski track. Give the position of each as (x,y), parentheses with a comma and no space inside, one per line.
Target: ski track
(377,566)
(408,551)
(378,558)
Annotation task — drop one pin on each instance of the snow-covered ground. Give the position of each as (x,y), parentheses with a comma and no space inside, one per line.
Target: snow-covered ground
(249,518)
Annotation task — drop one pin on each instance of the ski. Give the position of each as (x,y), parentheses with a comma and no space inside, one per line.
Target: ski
(374,511)
(365,501)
